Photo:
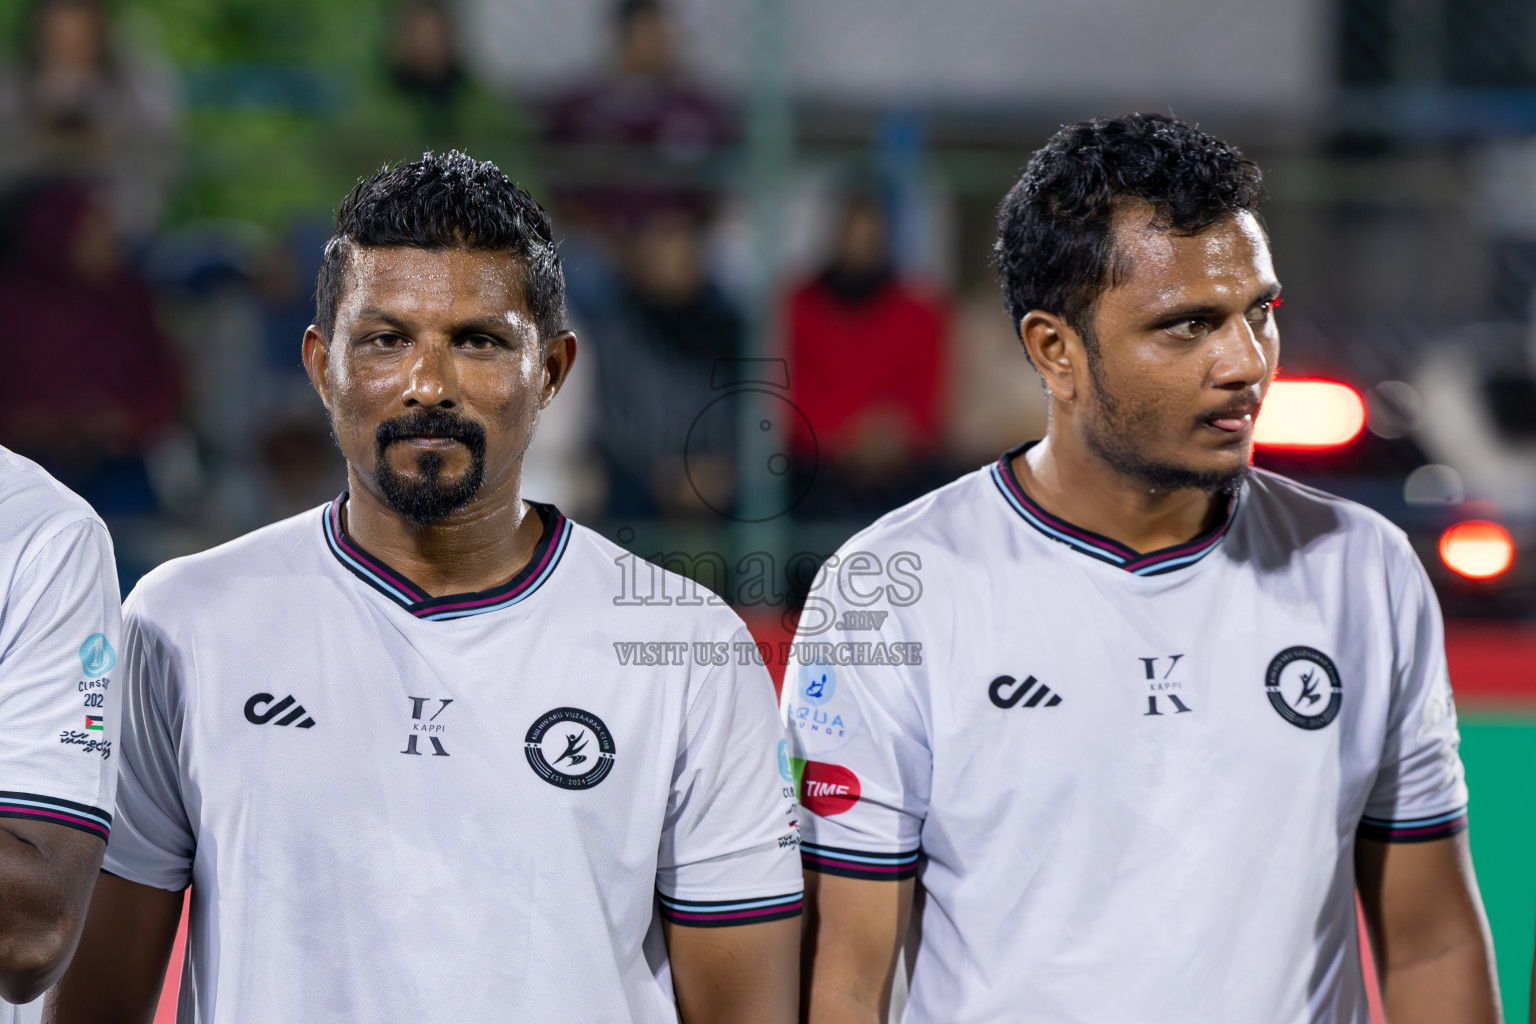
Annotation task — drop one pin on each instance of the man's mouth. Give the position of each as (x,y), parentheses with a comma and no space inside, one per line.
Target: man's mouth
(1236,420)
(430,441)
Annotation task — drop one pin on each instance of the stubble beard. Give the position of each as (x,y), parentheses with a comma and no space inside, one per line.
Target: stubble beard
(1112,432)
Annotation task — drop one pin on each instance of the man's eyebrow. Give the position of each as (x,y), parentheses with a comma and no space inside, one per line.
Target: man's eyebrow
(1195,312)
(379,313)
(488,323)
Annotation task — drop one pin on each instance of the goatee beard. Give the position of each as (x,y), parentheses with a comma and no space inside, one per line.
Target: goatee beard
(429,500)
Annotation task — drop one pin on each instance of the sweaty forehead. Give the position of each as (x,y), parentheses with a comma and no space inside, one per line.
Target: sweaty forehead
(428,284)
(1151,263)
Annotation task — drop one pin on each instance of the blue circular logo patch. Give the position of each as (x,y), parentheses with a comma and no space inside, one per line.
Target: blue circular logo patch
(785,770)
(817,684)
(97,656)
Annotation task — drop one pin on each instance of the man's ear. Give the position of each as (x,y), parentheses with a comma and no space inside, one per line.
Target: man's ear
(317,355)
(1056,350)
(559,357)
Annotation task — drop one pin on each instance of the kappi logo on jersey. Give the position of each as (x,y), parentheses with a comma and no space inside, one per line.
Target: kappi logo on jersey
(1007,692)
(1303,686)
(97,656)
(570,748)
(431,728)
(1162,686)
(260,710)
(826,789)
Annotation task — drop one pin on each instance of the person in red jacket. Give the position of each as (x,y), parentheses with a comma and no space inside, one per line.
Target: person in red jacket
(868,357)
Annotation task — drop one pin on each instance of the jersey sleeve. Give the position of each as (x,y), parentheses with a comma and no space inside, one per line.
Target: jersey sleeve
(862,760)
(59,716)
(729,842)
(153,842)
(1420,791)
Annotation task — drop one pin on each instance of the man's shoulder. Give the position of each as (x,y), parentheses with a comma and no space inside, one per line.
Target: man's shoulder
(671,589)
(33,505)
(193,583)
(1297,520)
(943,520)
(1280,498)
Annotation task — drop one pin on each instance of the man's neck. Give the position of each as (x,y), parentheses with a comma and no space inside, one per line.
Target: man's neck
(1082,490)
(482,545)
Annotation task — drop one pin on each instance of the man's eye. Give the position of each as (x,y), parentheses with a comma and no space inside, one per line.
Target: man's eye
(479,341)
(388,340)
(1188,329)
(1263,311)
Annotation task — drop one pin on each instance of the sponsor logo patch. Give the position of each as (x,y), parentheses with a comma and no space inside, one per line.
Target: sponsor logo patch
(97,656)
(827,789)
(817,684)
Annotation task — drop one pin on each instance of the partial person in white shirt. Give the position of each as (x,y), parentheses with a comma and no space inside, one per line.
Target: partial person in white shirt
(60,622)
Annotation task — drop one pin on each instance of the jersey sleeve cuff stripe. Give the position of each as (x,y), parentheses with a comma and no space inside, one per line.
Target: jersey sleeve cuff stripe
(834,860)
(1414,830)
(725,913)
(57,811)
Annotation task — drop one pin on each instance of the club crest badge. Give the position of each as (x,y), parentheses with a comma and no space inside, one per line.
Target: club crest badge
(570,748)
(1303,686)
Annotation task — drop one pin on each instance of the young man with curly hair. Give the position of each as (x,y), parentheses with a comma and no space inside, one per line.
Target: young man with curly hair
(1170,711)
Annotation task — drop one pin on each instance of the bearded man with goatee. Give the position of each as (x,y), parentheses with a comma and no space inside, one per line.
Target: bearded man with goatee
(388,742)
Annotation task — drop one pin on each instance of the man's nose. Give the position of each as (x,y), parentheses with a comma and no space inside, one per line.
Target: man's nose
(1241,359)
(433,380)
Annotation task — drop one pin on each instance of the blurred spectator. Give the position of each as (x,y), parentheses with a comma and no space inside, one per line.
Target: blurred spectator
(426,65)
(868,362)
(427,99)
(91,379)
(646,112)
(996,399)
(83,106)
(656,344)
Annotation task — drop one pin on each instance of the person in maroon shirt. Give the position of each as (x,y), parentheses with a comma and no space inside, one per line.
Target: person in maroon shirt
(91,377)
(868,359)
(645,116)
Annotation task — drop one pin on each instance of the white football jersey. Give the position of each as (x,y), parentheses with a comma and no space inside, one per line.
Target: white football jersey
(59,636)
(1129,785)
(392,806)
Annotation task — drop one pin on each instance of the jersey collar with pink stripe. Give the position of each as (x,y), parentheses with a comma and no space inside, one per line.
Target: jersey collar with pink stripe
(1095,545)
(398,587)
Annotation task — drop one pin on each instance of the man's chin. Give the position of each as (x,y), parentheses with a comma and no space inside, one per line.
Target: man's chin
(428,499)
(1212,472)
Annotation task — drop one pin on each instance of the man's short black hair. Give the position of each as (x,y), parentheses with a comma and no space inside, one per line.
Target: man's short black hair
(450,201)
(1055,227)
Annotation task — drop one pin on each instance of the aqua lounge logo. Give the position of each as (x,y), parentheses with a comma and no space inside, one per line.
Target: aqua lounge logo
(817,684)
(97,656)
